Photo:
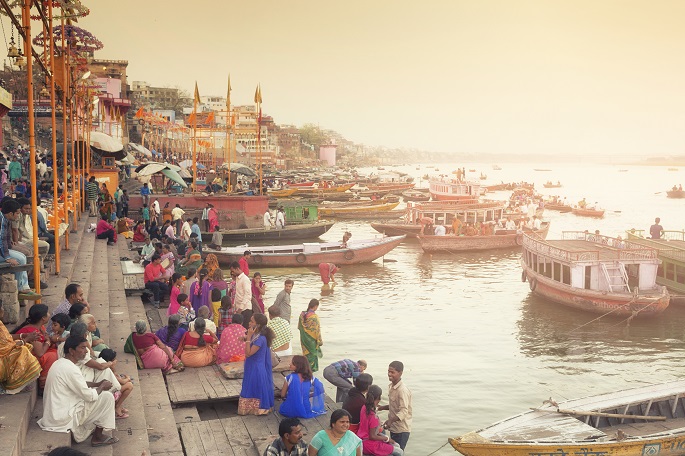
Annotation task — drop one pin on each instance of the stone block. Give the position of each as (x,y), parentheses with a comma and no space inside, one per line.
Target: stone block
(10,304)
(8,284)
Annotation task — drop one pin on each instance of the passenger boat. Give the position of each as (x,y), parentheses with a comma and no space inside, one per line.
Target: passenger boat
(558,207)
(306,191)
(675,194)
(311,254)
(483,176)
(549,184)
(642,421)
(331,211)
(595,273)
(587,212)
(453,190)
(388,187)
(441,213)
(671,251)
(299,231)
(414,195)
(502,239)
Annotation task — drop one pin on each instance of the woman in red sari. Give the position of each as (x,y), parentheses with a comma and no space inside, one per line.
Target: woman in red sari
(213,219)
(42,347)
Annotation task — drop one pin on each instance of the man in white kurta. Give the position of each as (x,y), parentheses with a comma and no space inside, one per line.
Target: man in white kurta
(71,404)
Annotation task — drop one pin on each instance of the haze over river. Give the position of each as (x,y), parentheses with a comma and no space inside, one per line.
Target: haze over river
(477,345)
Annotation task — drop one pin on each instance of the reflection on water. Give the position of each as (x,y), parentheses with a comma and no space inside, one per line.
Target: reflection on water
(477,345)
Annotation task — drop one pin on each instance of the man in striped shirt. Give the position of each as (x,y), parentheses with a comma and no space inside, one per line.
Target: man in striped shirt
(92,192)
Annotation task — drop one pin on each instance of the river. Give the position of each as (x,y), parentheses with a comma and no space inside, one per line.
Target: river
(476,344)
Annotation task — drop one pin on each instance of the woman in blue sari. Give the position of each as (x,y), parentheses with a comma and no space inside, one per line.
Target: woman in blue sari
(338,440)
(172,334)
(257,393)
(296,391)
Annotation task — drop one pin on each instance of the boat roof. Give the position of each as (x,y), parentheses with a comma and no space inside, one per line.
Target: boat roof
(583,247)
(546,424)
(671,248)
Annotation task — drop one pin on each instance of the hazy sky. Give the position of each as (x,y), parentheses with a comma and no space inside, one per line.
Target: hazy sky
(536,76)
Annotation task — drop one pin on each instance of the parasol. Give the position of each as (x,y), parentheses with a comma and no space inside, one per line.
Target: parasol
(105,143)
(240,169)
(142,149)
(189,164)
(174,176)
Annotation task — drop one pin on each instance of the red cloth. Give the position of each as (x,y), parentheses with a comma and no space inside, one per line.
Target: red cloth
(102,227)
(152,272)
(141,341)
(244,266)
(192,341)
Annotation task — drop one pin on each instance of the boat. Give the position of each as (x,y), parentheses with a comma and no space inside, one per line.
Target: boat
(441,213)
(541,169)
(558,207)
(414,195)
(671,252)
(365,215)
(331,211)
(673,169)
(502,239)
(675,194)
(453,190)
(390,186)
(472,170)
(595,273)
(496,167)
(587,212)
(311,254)
(306,191)
(622,170)
(298,231)
(642,421)
(549,184)
(483,176)
(283,193)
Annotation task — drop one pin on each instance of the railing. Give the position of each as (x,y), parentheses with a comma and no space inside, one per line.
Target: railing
(668,235)
(543,248)
(624,250)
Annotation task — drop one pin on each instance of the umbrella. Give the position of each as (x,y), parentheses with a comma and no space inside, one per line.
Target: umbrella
(128,160)
(105,143)
(240,169)
(150,169)
(174,176)
(189,164)
(142,149)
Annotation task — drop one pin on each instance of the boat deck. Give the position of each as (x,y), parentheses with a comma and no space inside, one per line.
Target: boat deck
(606,252)
(669,248)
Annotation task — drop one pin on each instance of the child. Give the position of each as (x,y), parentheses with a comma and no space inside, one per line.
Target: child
(225,314)
(60,323)
(216,303)
(185,310)
(146,216)
(188,281)
(110,356)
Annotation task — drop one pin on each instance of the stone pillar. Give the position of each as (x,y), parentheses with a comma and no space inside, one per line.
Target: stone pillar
(10,301)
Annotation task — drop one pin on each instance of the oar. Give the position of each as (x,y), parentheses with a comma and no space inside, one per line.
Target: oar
(658,193)
(607,415)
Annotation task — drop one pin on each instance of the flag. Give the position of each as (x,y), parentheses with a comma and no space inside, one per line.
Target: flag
(210,117)
(228,93)
(139,113)
(191,119)
(197,94)
(258,95)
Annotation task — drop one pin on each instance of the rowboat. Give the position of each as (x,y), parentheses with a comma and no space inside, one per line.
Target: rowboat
(675,194)
(299,231)
(585,212)
(364,215)
(413,195)
(311,254)
(595,273)
(284,193)
(642,421)
(331,211)
(558,207)
(503,239)
(453,190)
(304,191)
(551,185)
(390,186)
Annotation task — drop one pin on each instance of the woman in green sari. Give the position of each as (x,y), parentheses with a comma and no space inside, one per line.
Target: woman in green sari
(338,440)
(310,334)
(193,260)
(18,367)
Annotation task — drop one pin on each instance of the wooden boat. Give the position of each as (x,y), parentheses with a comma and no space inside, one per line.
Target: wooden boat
(622,170)
(300,231)
(642,421)
(453,190)
(595,273)
(311,254)
(283,193)
(304,191)
(675,194)
(671,252)
(472,170)
(502,239)
(441,213)
(541,169)
(365,215)
(586,212)
(497,167)
(549,184)
(331,211)
(673,169)
(388,187)
(483,176)
(558,207)
(413,195)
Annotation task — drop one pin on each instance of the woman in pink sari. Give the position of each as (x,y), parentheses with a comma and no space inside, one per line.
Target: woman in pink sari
(232,344)
(150,352)
(175,286)
(327,271)
(213,219)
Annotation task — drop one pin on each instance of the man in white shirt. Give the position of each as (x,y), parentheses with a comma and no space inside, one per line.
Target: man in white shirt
(280,219)
(156,211)
(440,230)
(71,404)
(177,218)
(186,230)
(537,224)
(243,293)
(511,225)
(267,220)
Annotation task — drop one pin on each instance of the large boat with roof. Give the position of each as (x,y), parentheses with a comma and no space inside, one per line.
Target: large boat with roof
(454,190)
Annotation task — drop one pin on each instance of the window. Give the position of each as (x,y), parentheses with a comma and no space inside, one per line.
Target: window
(566,274)
(556,271)
(680,274)
(670,271)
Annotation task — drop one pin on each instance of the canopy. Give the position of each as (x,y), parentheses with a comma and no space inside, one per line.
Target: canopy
(188,164)
(105,143)
(149,169)
(174,176)
(138,148)
(240,169)
(127,160)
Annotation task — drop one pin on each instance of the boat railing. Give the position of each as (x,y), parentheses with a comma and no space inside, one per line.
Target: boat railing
(673,235)
(676,254)
(625,249)
(543,248)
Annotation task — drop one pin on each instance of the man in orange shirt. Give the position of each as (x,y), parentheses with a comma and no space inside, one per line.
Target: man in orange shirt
(154,279)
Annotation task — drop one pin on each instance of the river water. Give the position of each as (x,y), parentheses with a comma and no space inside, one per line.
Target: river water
(476,344)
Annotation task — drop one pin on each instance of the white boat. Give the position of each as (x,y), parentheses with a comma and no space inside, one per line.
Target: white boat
(454,190)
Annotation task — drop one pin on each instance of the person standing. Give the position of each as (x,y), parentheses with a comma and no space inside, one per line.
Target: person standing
(145,193)
(244,265)
(124,203)
(290,442)
(71,404)
(243,293)
(92,192)
(267,220)
(177,218)
(205,217)
(339,374)
(14,169)
(185,230)
(280,219)
(156,211)
(257,392)
(399,407)
(283,300)
(310,334)
(656,230)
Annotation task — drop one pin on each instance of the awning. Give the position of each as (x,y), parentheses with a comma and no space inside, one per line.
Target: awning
(174,176)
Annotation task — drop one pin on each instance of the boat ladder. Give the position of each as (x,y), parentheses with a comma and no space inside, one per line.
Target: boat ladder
(616,276)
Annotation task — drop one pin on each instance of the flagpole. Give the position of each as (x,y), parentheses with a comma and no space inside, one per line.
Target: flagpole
(195,101)
(258,101)
(227,152)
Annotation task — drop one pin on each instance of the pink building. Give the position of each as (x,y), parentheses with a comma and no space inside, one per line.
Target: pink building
(327,153)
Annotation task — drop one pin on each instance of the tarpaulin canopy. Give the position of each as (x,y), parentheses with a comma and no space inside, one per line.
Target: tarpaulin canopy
(105,142)
(240,169)
(174,176)
(188,164)
(138,148)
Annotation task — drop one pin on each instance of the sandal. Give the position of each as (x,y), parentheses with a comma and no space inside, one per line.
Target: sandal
(122,416)
(108,441)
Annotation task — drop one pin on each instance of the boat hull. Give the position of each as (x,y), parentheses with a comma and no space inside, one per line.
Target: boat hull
(675,194)
(449,243)
(558,207)
(332,211)
(397,229)
(304,231)
(588,213)
(296,256)
(601,302)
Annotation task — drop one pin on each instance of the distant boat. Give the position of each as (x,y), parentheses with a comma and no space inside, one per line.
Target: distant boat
(673,169)
(454,190)
(585,212)
(483,176)
(675,194)
(549,184)
(472,170)
(496,167)
(622,170)
(541,169)
(504,239)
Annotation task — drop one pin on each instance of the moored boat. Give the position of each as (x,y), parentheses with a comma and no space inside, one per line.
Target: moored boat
(364,215)
(558,207)
(647,420)
(550,184)
(675,194)
(311,254)
(282,193)
(331,211)
(503,239)
(298,231)
(305,191)
(595,273)
(587,212)
(414,195)
(454,190)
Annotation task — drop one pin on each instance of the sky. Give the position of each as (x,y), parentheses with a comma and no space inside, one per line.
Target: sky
(480,76)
